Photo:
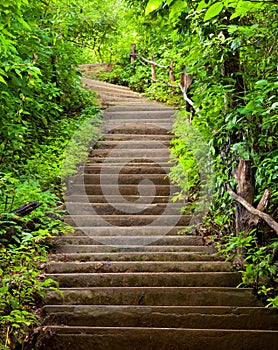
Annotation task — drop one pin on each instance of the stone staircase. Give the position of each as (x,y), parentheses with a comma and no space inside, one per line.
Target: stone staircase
(129,279)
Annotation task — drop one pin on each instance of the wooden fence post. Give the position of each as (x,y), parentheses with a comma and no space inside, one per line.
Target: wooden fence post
(153,69)
(132,53)
(171,72)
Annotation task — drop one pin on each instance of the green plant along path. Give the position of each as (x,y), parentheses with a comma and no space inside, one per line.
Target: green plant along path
(230,49)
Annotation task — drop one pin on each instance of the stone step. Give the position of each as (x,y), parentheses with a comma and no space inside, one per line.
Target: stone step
(128,160)
(150,279)
(116,198)
(139,106)
(136,256)
(139,129)
(122,244)
(168,221)
(138,115)
(133,144)
(126,231)
(122,152)
(155,239)
(133,190)
(120,208)
(114,338)
(207,317)
(154,124)
(133,266)
(127,169)
(154,296)
(138,137)
(121,179)
(115,161)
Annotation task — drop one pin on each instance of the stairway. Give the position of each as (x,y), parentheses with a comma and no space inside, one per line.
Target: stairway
(130,280)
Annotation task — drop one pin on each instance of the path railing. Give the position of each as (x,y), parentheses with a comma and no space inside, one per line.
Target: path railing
(185,78)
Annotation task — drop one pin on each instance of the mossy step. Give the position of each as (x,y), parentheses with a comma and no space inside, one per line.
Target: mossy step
(154,296)
(175,240)
(208,317)
(150,279)
(136,256)
(133,266)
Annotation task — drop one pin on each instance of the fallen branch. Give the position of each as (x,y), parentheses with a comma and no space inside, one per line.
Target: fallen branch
(267,218)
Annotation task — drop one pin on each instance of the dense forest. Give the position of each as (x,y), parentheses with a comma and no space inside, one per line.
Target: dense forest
(227,50)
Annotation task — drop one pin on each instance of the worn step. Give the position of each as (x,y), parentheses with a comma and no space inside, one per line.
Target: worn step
(133,144)
(129,160)
(133,190)
(136,256)
(154,296)
(155,239)
(128,220)
(152,115)
(120,208)
(139,106)
(140,129)
(207,317)
(149,124)
(122,179)
(127,169)
(150,279)
(122,244)
(135,137)
(133,266)
(77,338)
(116,198)
(121,152)
(127,231)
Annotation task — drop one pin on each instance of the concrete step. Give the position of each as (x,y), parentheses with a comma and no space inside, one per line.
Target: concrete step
(139,106)
(133,266)
(121,179)
(168,221)
(155,239)
(126,231)
(87,338)
(116,198)
(162,161)
(164,114)
(136,153)
(120,208)
(133,144)
(138,137)
(136,256)
(133,190)
(154,124)
(140,129)
(150,279)
(122,244)
(154,296)
(207,317)
(128,169)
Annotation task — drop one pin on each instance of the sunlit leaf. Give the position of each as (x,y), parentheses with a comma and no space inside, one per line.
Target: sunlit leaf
(213,10)
(152,6)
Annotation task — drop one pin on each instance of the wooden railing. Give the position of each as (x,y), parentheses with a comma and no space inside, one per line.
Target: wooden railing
(185,78)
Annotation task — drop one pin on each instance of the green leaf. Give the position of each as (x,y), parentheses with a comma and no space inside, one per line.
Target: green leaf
(213,11)
(152,6)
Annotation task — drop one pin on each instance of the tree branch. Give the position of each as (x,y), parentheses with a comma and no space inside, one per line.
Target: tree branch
(267,218)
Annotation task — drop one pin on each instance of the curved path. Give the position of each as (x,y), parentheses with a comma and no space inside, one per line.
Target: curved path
(129,279)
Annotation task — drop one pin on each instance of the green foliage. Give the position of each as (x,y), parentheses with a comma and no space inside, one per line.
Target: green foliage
(257,263)
(42,105)
(229,47)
